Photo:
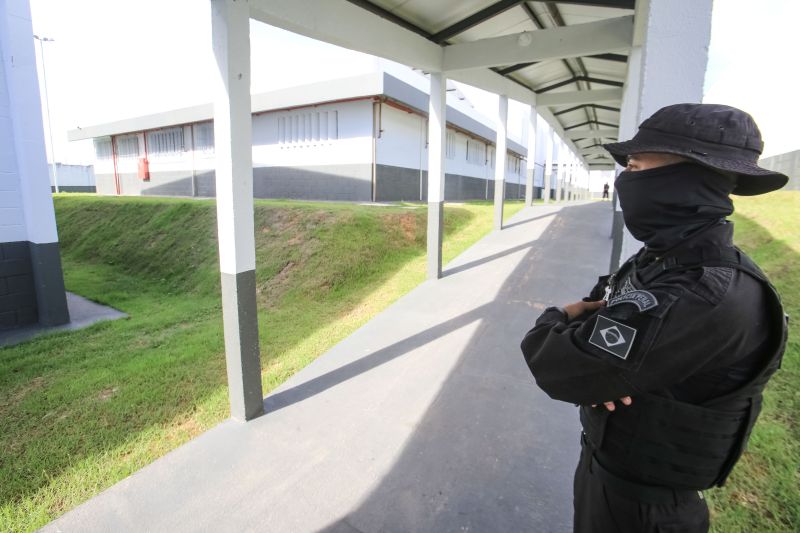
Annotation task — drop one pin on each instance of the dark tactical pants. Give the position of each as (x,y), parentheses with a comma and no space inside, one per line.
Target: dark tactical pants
(606,504)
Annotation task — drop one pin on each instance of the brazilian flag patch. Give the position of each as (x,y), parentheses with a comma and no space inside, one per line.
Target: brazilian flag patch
(613,337)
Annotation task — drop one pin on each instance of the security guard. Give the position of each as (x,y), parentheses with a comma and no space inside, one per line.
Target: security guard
(667,357)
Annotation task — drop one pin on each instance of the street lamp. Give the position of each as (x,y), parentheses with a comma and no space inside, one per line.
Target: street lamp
(47,104)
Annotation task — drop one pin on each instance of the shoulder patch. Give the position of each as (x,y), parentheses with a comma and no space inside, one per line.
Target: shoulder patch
(613,337)
(643,300)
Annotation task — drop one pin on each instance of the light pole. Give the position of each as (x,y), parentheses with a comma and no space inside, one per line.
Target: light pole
(47,104)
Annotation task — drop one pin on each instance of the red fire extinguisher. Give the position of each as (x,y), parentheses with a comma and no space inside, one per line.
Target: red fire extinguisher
(144,169)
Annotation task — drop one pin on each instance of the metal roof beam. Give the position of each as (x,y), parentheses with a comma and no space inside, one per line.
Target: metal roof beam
(391,17)
(618,58)
(357,27)
(491,81)
(619,4)
(588,134)
(575,79)
(514,68)
(579,97)
(591,122)
(608,35)
(577,107)
(473,20)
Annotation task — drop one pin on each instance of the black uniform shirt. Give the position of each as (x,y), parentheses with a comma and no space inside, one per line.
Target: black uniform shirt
(692,335)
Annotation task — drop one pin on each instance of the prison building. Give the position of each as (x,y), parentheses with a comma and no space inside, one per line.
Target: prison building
(787,163)
(31,279)
(72,178)
(361,138)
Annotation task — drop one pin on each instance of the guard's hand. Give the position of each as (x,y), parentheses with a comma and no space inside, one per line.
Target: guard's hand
(626,400)
(578,308)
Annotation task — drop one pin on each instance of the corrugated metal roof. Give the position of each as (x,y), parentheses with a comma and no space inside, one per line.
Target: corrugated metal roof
(452,22)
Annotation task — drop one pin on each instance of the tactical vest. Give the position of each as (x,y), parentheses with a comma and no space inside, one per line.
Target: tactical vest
(675,444)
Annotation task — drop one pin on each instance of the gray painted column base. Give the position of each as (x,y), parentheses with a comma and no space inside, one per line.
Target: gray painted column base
(242,354)
(499,197)
(48,278)
(435,231)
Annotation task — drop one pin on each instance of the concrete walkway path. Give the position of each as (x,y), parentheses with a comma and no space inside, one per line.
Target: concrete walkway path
(426,419)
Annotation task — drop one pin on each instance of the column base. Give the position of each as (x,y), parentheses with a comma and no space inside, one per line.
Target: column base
(435,231)
(242,354)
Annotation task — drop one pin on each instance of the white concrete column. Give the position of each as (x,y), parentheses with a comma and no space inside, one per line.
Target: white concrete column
(28,231)
(548,165)
(500,161)
(668,33)
(570,177)
(562,167)
(437,129)
(531,170)
(588,182)
(230,31)
(584,183)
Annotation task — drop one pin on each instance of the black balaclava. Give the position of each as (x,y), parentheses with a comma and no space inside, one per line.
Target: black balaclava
(664,205)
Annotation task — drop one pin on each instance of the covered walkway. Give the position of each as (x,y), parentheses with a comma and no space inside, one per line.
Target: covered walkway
(425,419)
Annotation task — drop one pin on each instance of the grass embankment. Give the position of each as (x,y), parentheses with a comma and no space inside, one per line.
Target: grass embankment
(81,410)
(763,493)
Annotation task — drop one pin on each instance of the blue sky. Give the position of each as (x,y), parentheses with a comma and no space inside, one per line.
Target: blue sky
(112,60)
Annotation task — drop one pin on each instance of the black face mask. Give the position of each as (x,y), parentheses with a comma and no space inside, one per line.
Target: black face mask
(662,206)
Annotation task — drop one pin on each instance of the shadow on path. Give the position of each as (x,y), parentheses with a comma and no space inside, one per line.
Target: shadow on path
(493,453)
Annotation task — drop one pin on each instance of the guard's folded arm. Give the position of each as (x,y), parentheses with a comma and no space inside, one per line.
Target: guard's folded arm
(619,350)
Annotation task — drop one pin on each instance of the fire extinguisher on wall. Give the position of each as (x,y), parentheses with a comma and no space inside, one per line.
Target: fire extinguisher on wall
(144,169)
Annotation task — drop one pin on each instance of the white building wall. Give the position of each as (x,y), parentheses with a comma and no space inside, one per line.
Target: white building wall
(321,151)
(403,138)
(402,144)
(352,145)
(72,176)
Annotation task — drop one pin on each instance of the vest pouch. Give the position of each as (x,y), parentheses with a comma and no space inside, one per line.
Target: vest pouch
(677,445)
(753,411)
(594,420)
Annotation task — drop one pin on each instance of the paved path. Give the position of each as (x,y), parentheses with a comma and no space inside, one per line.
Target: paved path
(426,419)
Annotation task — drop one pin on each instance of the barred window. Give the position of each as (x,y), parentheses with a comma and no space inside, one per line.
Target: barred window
(513,164)
(127,145)
(450,145)
(307,127)
(204,137)
(102,148)
(476,152)
(165,142)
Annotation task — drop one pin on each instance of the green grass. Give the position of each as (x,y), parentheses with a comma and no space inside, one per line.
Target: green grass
(82,410)
(763,493)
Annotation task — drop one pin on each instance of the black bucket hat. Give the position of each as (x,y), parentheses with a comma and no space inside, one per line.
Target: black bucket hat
(717,136)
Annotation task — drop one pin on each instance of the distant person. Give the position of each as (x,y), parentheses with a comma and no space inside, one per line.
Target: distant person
(667,357)
(605,191)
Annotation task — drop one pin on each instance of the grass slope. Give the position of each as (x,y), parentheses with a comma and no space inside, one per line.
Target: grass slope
(82,410)
(763,493)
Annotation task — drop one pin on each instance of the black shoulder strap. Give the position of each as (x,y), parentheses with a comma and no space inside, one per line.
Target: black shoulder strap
(696,258)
